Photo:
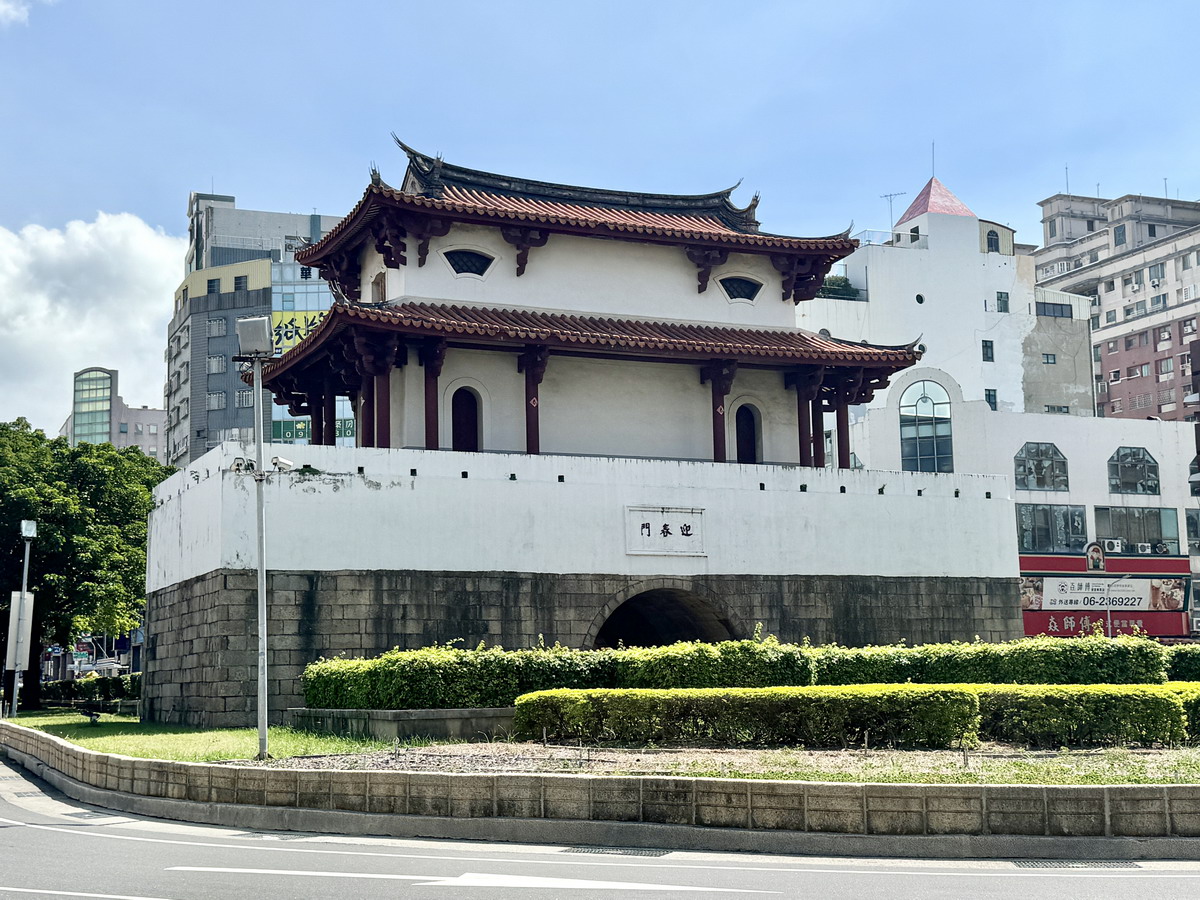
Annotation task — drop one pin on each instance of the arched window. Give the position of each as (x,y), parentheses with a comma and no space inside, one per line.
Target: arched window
(748,433)
(926,442)
(993,241)
(464,420)
(468,262)
(1040,467)
(1131,470)
(740,288)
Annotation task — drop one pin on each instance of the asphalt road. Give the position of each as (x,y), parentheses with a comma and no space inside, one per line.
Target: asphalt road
(51,846)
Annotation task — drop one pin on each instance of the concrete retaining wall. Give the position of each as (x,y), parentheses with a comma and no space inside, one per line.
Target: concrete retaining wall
(1149,811)
(388,724)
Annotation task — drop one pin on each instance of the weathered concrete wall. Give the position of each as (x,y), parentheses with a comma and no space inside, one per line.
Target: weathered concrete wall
(201,650)
(389,724)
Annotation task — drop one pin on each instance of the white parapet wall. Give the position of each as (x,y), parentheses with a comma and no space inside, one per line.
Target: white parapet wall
(366,509)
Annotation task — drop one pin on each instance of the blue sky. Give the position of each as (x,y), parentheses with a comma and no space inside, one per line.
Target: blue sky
(113,111)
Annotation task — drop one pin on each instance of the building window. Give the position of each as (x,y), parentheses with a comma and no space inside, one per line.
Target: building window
(926,440)
(1118,235)
(464,419)
(1040,467)
(1152,230)
(1002,301)
(1164,334)
(993,241)
(244,399)
(468,262)
(1054,310)
(287,302)
(1112,346)
(1194,486)
(1050,359)
(1193,530)
(1116,406)
(1110,285)
(920,298)
(153,429)
(379,287)
(914,234)
(1187,261)
(214,285)
(241,282)
(1091,224)
(1096,354)
(217,365)
(1141,339)
(1050,528)
(1158,271)
(1094,322)
(1140,529)
(1132,470)
(989,351)
(1166,365)
(1053,223)
(1110,316)
(1057,410)
(216,400)
(989,397)
(216,328)
(1138,371)
(138,428)
(1188,326)
(1094,256)
(1158,301)
(123,428)
(740,288)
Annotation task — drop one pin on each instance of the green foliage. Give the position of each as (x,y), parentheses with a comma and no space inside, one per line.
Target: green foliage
(1093,659)
(1185,663)
(448,677)
(1075,715)
(88,563)
(1188,693)
(852,716)
(124,687)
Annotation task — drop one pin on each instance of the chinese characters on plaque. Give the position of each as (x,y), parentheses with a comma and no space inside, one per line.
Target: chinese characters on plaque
(664,531)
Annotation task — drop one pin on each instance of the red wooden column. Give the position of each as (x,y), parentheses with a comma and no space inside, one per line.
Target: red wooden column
(366,412)
(533,363)
(807,383)
(329,416)
(720,373)
(842,412)
(316,406)
(818,432)
(433,355)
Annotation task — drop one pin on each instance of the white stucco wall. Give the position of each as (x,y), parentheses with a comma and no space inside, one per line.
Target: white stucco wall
(584,275)
(750,519)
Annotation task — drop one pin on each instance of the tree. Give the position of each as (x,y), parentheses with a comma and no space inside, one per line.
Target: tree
(87,567)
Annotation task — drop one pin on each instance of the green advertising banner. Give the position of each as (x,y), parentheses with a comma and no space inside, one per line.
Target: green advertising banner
(299,429)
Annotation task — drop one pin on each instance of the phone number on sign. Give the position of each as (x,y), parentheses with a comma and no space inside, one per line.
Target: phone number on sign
(1115,602)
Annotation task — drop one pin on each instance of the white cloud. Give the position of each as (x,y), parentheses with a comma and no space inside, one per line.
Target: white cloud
(14,12)
(91,294)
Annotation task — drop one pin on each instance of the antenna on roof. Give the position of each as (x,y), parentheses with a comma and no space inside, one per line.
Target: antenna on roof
(889,198)
(1067,177)
(933,159)
(1165,194)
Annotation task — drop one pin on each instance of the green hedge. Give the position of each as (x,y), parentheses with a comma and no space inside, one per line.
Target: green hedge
(445,677)
(124,687)
(1081,714)
(1093,659)
(1185,663)
(847,716)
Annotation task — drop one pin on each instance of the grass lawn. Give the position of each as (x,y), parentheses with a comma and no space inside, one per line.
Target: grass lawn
(129,737)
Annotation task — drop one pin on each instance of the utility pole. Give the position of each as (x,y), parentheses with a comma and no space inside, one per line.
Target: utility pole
(20,619)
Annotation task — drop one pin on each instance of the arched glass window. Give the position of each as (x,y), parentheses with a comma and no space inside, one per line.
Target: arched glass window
(740,288)
(468,262)
(926,442)
(746,425)
(1131,470)
(993,241)
(464,420)
(1040,467)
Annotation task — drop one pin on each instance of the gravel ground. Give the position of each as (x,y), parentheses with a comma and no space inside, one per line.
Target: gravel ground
(992,763)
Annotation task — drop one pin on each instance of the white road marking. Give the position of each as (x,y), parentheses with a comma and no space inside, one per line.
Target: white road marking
(16,890)
(480,879)
(576,863)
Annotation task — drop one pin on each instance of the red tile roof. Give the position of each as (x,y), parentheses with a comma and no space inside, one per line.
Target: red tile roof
(633,337)
(935,197)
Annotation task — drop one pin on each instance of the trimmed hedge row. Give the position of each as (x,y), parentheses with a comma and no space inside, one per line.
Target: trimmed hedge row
(446,677)
(903,716)
(1185,663)
(845,716)
(124,687)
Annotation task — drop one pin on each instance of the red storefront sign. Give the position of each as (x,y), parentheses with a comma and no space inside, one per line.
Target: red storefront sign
(1062,623)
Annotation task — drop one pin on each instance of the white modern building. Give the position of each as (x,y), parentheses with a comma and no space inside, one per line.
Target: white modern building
(100,415)
(581,414)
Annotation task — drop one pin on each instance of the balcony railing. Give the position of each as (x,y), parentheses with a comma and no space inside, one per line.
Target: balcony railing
(899,239)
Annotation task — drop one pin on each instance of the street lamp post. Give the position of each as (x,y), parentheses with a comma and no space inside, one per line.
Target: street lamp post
(18,629)
(255,344)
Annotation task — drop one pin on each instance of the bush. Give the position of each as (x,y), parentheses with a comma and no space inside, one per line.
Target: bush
(878,715)
(90,690)
(1188,693)
(1185,663)
(1093,659)
(1059,716)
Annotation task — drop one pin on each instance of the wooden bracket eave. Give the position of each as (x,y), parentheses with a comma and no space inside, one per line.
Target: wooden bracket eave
(705,260)
(523,239)
(533,362)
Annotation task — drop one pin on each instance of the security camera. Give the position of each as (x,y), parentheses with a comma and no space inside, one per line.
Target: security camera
(238,465)
(281,464)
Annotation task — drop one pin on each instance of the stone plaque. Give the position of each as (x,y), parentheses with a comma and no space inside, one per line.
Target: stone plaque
(664,531)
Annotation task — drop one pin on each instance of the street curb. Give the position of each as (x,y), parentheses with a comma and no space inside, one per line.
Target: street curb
(475,824)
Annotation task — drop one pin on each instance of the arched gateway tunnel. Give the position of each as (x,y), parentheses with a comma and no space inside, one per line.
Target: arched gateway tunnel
(663,616)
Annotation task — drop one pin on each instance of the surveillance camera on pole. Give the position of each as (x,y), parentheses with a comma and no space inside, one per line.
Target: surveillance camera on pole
(20,617)
(281,464)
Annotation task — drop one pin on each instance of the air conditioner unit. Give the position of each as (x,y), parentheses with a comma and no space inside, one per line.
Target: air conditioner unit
(1135,287)
(1195,624)
(1114,545)
(1155,282)
(1145,548)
